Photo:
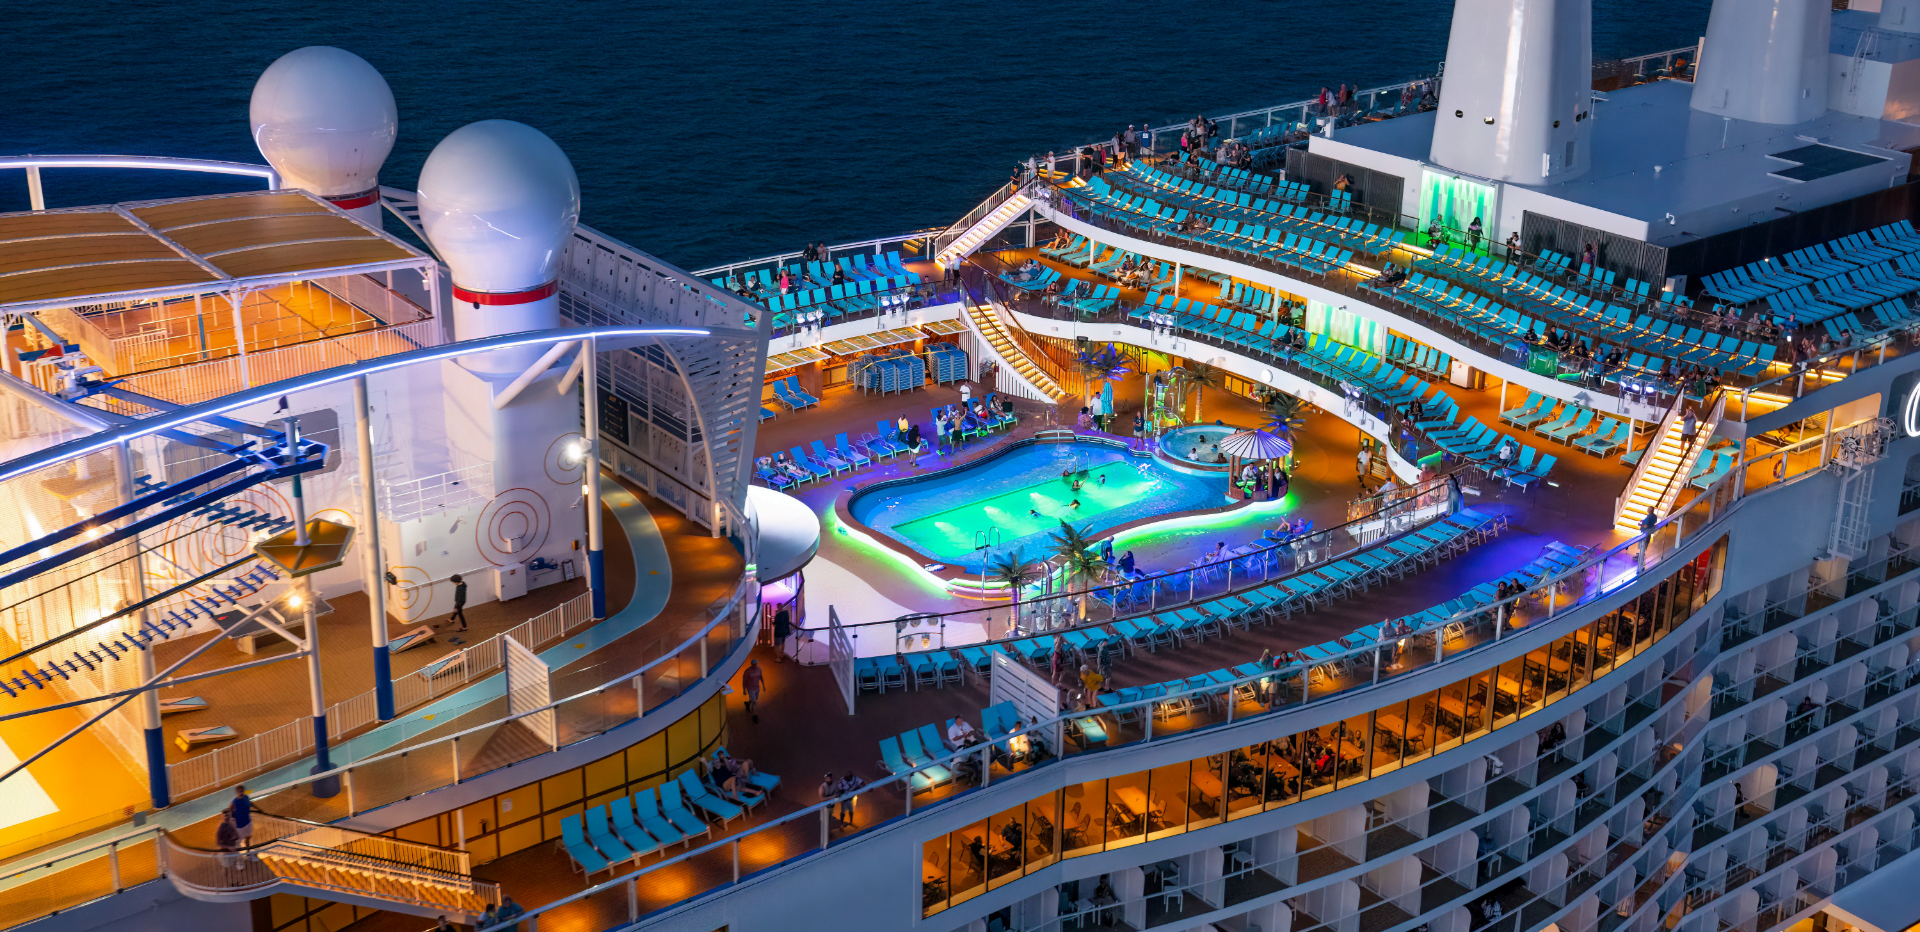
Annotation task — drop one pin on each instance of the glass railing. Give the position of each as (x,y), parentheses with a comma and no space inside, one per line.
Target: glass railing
(1085,603)
(675,880)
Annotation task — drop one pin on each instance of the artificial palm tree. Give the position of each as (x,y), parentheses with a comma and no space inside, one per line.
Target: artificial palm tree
(1110,364)
(1079,559)
(1198,375)
(1284,414)
(1013,570)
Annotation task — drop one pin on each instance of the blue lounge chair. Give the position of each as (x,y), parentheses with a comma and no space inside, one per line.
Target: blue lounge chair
(697,793)
(574,838)
(676,812)
(647,812)
(600,832)
(629,830)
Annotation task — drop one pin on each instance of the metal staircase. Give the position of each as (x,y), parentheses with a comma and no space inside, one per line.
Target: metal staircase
(982,230)
(1663,470)
(333,863)
(1855,450)
(1019,373)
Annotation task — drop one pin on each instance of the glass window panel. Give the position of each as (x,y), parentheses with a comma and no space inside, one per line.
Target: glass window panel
(1479,702)
(1043,831)
(1083,818)
(1167,800)
(1563,658)
(933,876)
(1320,756)
(1206,799)
(1389,737)
(647,758)
(1127,810)
(1534,672)
(1509,692)
(561,789)
(1423,716)
(1284,770)
(1353,735)
(1006,845)
(967,870)
(1246,780)
(606,774)
(1451,704)
(519,805)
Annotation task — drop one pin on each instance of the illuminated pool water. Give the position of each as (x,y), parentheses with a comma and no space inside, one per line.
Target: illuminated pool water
(1021,493)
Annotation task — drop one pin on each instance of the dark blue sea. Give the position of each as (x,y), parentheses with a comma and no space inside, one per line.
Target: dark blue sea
(709,132)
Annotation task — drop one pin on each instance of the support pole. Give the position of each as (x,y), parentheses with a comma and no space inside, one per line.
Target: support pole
(237,298)
(36,196)
(156,742)
(329,786)
(590,407)
(370,556)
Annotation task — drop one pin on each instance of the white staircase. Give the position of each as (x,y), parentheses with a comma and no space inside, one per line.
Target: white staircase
(1662,471)
(984,229)
(1019,374)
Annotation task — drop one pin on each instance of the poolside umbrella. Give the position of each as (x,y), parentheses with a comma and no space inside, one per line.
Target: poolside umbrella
(1251,445)
(1257,445)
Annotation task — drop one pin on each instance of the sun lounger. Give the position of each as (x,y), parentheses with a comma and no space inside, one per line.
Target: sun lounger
(187,738)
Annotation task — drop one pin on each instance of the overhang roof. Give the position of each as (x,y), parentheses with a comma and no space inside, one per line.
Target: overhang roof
(92,255)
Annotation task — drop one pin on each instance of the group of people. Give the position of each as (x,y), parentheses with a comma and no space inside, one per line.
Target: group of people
(842,794)
(1268,477)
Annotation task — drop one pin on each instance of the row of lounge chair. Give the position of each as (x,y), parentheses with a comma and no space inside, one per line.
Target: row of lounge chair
(631,827)
(1577,426)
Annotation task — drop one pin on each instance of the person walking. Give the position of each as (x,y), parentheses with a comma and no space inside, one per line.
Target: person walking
(782,629)
(751,681)
(1363,463)
(459,601)
(227,839)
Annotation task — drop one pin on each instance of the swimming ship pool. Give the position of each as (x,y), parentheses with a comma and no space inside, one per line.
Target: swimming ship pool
(1021,492)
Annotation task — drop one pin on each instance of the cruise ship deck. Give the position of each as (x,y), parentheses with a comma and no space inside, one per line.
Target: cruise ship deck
(1479,560)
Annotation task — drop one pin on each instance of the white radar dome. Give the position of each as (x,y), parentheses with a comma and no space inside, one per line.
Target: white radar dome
(325,120)
(499,201)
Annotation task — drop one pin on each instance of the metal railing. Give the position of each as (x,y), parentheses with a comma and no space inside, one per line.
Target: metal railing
(294,739)
(425,495)
(1202,581)
(812,829)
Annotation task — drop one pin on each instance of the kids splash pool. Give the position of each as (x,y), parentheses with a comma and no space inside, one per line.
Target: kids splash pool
(1024,494)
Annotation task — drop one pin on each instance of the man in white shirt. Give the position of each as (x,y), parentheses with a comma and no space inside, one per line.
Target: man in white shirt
(960,734)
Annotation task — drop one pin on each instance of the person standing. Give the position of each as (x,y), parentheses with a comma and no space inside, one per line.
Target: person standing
(242,809)
(1363,463)
(459,601)
(751,681)
(1474,231)
(782,629)
(966,394)
(849,790)
(829,791)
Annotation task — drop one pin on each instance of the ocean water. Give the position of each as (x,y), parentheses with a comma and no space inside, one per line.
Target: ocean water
(708,132)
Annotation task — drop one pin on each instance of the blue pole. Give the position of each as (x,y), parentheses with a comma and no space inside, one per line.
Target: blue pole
(597,580)
(157,769)
(383,682)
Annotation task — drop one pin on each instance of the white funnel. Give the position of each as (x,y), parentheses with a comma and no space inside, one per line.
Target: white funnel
(1765,61)
(325,120)
(1516,103)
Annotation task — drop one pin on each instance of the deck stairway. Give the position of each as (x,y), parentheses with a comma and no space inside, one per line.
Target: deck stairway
(984,229)
(1019,373)
(1663,469)
(333,863)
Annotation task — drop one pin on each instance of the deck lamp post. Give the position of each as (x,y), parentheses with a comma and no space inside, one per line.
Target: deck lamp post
(302,550)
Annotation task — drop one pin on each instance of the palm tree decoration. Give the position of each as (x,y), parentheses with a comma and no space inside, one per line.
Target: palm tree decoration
(1284,414)
(1109,364)
(1013,570)
(1198,375)
(1079,559)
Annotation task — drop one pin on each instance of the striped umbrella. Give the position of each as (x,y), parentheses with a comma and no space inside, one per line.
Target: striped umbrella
(1256,445)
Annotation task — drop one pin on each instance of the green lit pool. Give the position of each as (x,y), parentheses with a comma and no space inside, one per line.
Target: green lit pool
(1021,492)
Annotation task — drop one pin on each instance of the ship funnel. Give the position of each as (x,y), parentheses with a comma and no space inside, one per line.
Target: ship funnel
(1517,102)
(1765,60)
(325,120)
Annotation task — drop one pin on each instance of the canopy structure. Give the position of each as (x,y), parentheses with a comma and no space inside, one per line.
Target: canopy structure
(1257,445)
(97,255)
